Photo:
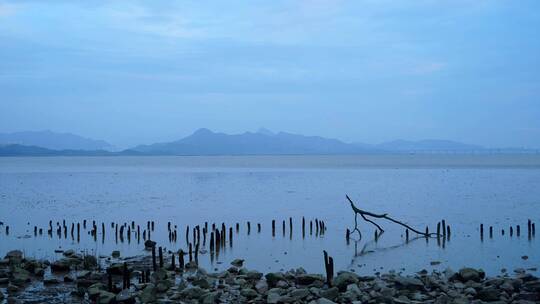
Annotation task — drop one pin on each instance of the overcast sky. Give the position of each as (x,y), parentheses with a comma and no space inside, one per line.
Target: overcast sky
(369,71)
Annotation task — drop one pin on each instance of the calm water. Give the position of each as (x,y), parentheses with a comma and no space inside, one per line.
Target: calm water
(418,189)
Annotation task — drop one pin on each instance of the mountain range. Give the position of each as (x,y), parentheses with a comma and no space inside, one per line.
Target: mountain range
(54,141)
(206,142)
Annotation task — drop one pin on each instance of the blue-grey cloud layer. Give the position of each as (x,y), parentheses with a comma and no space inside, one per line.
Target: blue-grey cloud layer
(371,71)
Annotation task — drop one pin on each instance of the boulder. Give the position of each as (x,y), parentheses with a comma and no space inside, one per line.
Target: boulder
(62,265)
(237,262)
(470,274)
(273,277)
(345,278)
(408,283)
(307,279)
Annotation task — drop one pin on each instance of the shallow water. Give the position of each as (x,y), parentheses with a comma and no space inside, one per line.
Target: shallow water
(465,190)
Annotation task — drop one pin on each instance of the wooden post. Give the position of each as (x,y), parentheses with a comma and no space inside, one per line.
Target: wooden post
(154,257)
(310,227)
(347,235)
(248,227)
(160,257)
(109,281)
(181,259)
(211,241)
(511,231)
(258,227)
(481,231)
(237,227)
(230,236)
(197,254)
(191,252)
(173,262)
(406,235)
(283,227)
(518,230)
(490,232)
(443,226)
(273,227)
(125,276)
(304,227)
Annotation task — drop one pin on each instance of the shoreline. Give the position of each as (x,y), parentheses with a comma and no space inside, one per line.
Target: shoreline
(88,279)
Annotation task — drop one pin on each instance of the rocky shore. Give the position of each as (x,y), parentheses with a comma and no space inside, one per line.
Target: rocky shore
(78,278)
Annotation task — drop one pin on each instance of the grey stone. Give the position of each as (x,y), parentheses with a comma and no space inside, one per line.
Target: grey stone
(249,293)
(471,274)
(148,294)
(299,294)
(489,294)
(345,278)
(273,277)
(409,283)
(330,293)
(106,297)
(261,287)
(237,262)
(125,297)
(307,279)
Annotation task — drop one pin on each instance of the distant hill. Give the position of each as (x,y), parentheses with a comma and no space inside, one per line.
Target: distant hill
(54,141)
(21,150)
(433,145)
(206,142)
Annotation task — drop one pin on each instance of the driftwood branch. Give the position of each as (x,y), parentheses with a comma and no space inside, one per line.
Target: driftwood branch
(365,214)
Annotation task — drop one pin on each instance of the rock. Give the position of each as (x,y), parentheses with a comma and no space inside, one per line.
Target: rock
(89,262)
(148,294)
(62,265)
(14,257)
(471,274)
(20,276)
(95,290)
(202,282)
(69,253)
(237,262)
(39,272)
(254,275)
(51,281)
(115,254)
(299,294)
(210,298)
(125,297)
(249,293)
(118,269)
(409,283)
(488,294)
(345,278)
(273,297)
(330,293)
(324,301)
(106,297)
(193,292)
(273,277)
(307,279)
(261,287)
(148,244)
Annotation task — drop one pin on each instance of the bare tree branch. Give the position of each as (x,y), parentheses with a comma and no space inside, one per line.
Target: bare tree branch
(364,214)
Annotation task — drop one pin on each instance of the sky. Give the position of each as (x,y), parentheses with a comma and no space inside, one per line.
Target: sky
(133,72)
